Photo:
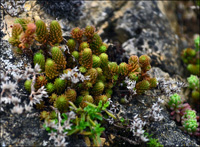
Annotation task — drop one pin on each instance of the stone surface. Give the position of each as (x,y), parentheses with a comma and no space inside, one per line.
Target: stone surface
(147,31)
(10,60)
(1,26)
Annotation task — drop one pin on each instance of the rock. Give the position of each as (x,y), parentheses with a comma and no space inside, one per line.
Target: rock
(10,60)
(1,26)
(146,30)
(20,130)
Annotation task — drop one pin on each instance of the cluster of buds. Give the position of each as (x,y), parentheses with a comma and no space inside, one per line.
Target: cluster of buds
(86,51)
(79,74)
(183,113)
(194,84)
(191,58)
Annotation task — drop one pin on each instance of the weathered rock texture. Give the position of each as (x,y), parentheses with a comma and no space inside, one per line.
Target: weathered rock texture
(148,31)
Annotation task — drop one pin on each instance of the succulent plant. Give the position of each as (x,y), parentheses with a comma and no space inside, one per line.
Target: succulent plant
(77,34)
(51,69)
(59,85)
(71,94)
(41,81)
(194,69)
(95,44)
(93,75)
(27,85)
(27,38)
(104,60)
(142,86)
(196,95)
(102,49)
(41,32)
(189,114)
(58,57)
(133,63)
(96,61)
(23,22)
(80,76)
(144,62)
(98,88)
(16,30)
(153,82)
(190,125)
(133,76)
(50,88)
(55,34)
(113,67)
(86,58)
(86,98)
(102,98)
(191,58)
(44,115)
(99,71)
(185,113)
(82,46)
(123,69)
(71,43)
(193,82)
(89,32)
(175,102)
(75,54)
(40,59)
(53,98)
(61,103)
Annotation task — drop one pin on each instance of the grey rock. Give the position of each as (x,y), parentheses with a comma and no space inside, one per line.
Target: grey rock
(13,8)
(9,60)
(147,31)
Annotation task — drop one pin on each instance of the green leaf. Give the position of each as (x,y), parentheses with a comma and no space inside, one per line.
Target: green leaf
(106,105)
(65,116)
(99,117)
(122,119)
(100,104)
(48,129)
(97,130)
(55,120)
(82,125)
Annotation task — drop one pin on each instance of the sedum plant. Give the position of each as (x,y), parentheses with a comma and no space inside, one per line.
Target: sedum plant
(194,84)
(77,76)
(183,113)
(191,58)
